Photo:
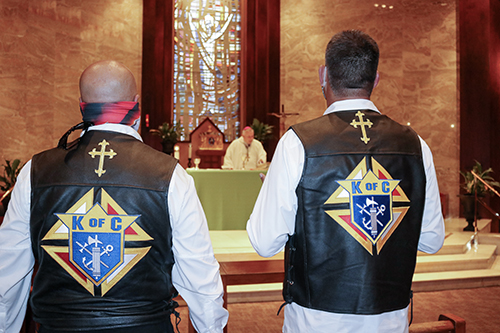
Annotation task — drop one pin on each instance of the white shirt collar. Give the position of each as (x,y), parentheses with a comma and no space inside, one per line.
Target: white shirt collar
(242,140)
(351,104)
(120,128)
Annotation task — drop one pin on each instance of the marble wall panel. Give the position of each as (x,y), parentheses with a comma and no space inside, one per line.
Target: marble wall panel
(44,46)
(418,68)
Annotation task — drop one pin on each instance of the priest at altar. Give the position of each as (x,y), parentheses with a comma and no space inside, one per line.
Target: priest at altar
(245,153)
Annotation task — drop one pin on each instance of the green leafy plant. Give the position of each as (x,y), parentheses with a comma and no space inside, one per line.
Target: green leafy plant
(262,132)
(10,173)
(168,133)
(471,186)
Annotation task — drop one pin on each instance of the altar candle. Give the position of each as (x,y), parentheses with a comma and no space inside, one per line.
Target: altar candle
(176,152)
(190,150)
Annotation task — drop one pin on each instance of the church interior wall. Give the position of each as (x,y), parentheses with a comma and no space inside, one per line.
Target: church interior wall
(418,68)
(45,44)
(44,47)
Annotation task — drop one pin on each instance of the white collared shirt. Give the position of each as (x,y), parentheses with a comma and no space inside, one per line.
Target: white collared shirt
(195,273)
(273,221)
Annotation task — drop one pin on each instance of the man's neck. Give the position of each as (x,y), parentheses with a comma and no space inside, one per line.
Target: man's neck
(355,94)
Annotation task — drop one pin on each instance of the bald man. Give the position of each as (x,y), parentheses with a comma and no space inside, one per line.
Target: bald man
(115,226)
(245,153)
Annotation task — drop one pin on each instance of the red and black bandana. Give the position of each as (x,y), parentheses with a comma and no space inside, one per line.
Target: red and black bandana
(125,113)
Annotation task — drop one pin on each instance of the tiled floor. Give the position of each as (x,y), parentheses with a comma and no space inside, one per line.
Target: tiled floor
(479,307)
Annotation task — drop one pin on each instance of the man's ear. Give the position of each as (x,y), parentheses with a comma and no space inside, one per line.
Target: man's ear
(377,79)
(136,98)
(322,74)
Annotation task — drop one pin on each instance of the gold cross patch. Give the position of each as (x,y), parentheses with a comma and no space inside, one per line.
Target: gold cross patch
(361,123)
(102,153)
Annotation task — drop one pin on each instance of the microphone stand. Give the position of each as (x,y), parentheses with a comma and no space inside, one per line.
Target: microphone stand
(474,239)
(6,194)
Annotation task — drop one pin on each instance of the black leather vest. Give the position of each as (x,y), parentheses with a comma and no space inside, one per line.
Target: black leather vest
(349,254)
(101,233)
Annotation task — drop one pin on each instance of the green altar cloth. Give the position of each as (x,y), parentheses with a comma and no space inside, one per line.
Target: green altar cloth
(227,196)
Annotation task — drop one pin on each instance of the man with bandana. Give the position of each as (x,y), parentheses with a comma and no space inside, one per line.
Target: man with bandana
(351,196)
(115,227)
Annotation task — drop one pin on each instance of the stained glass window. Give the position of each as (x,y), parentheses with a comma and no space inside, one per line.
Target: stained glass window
(207,64)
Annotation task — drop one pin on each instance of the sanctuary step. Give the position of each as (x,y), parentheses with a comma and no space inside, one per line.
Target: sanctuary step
(482,258)
(459,264)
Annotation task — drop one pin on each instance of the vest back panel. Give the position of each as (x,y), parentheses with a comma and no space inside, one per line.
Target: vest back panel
(359,215)
(101,233)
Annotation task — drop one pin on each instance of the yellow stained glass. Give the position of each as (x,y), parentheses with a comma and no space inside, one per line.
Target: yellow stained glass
(207,64)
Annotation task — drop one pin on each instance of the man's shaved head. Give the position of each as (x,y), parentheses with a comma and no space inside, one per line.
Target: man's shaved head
(107,81)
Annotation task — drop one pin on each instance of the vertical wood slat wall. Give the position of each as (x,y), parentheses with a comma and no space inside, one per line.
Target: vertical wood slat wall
(479,72)
(260,77)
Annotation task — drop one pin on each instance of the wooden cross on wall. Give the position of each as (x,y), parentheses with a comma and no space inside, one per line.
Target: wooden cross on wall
(282,116)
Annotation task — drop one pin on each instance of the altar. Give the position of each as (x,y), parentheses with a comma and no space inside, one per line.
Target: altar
(227,196)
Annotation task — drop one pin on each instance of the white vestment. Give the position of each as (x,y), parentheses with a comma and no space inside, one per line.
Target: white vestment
(240,156)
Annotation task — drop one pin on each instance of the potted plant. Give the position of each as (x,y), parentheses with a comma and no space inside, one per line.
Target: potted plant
(475,188)
(169,136)
(8,179)
(262,132)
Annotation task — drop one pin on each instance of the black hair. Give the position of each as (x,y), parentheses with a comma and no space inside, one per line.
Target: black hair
(351,59)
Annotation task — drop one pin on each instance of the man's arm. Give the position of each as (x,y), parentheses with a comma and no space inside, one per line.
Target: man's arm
(432,232)
(273,216)
(16,256)
(196,271)
(262,154)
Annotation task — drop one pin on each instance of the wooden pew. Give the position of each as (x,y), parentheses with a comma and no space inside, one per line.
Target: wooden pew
(250,272)
(245,272)
(447,323)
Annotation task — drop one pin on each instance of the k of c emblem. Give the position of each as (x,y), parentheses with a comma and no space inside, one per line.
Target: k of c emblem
(96,254)
(96,241)
(371,219)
